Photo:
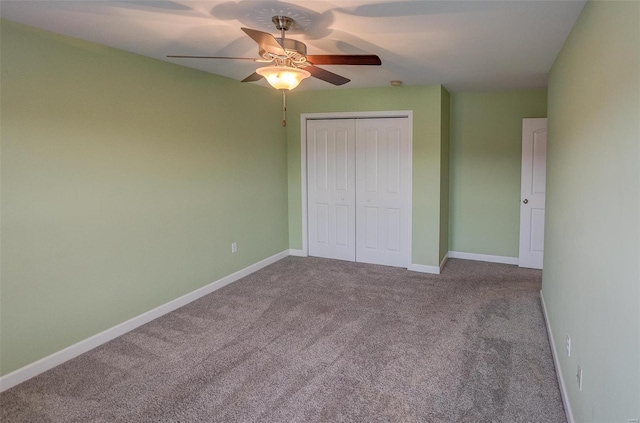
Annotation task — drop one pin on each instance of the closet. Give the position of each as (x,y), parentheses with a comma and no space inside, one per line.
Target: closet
(359,189)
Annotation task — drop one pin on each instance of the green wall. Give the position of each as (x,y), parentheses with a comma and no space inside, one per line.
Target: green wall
(425,101)
(591,280)
(124,182)
(486,150)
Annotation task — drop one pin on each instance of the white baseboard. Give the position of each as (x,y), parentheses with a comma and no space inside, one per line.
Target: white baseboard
(422,268)
(483,257)
(444,261)
(297,253)
(27,372)
(556,362)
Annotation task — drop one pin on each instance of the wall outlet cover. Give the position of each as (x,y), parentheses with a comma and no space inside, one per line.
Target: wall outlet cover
(579,376)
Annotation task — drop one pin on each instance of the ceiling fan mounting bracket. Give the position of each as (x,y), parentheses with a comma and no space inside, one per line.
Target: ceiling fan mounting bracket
(282,22)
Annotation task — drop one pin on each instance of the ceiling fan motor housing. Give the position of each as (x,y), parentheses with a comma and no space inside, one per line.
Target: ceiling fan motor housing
(293,45)
(296,50)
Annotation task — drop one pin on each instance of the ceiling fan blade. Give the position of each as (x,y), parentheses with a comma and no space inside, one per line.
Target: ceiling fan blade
(212,57)
(252,78)
(327,76)
(345,59)
(266,41)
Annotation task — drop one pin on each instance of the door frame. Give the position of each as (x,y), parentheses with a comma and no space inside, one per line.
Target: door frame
(304,117)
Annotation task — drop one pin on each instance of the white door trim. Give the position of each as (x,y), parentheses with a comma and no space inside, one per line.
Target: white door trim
(303,161)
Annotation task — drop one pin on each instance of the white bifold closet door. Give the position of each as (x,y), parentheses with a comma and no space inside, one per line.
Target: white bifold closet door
(359,190)
(331,188)
(383,172)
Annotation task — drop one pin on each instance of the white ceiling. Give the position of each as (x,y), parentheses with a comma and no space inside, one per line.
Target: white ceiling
(464,45)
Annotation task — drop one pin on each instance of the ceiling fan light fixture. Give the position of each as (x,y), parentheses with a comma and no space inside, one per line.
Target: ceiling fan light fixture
(283,77)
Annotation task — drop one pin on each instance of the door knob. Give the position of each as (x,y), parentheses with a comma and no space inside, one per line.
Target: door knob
(525,201)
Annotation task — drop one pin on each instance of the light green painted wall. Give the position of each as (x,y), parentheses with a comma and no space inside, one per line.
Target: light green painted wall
(445,124)
(425,103)
(486,150)
(591,279)
(124,182)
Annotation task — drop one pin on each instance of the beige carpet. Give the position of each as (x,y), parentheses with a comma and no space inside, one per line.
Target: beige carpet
(315,340)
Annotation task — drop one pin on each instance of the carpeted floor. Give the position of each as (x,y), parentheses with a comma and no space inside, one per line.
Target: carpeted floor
(315,340)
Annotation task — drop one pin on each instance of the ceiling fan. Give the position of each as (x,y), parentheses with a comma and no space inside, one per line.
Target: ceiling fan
(288,61)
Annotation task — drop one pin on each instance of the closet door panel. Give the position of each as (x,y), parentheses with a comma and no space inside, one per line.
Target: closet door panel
(331,188)
(383,172)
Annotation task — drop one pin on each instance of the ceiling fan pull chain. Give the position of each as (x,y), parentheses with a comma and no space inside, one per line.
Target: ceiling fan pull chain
(284,107)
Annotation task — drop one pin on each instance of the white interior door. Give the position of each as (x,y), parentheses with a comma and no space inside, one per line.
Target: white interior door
(331,188)
(534,166)
(383,191)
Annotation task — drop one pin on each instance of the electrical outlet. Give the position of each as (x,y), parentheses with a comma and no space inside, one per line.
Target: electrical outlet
(234,247)
(579,376)
(568,346)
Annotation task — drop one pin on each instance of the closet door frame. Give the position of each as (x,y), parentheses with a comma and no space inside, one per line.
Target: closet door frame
(304,117)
